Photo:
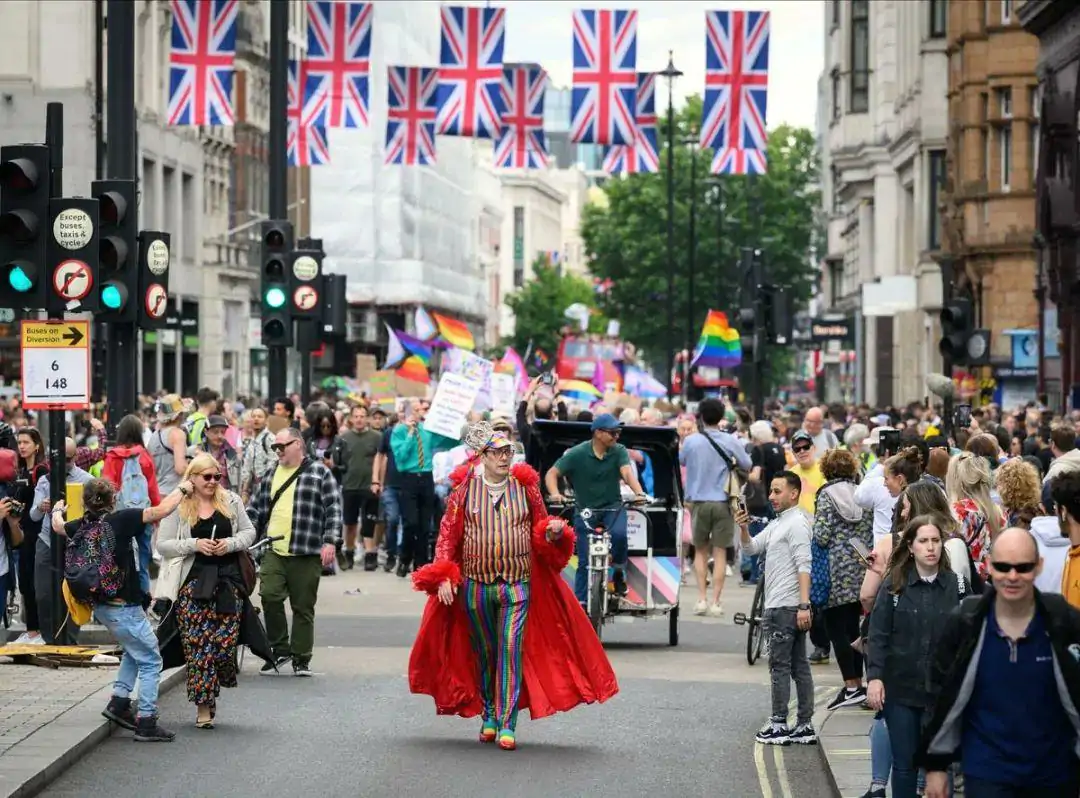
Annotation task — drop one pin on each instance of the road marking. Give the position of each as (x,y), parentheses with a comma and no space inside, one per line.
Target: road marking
(781,774)
(762,773)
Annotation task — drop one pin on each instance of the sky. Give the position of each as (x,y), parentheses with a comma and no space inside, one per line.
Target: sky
(540,31)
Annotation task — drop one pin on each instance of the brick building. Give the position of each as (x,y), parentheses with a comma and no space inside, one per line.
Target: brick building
(989,194)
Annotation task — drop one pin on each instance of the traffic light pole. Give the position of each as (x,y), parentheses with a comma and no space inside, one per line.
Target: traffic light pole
(277,356)
(946,357)
(120,358)
(760,335)
(54,140)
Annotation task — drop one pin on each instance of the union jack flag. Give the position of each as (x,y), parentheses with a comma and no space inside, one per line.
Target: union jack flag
(602,101)
(308,99)
(201,62)
(739,162)
(410,115)
(522,144)
(339,49)
(469,97)
(736,80)
(644,156)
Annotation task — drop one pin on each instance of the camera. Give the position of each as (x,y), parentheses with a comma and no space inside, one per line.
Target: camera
(16,509)
(890,441)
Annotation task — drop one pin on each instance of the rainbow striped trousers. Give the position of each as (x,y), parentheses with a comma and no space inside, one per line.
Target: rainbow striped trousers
(497,613)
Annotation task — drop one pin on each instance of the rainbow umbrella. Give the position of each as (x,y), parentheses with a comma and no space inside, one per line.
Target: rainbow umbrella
(579,390)
(719,345)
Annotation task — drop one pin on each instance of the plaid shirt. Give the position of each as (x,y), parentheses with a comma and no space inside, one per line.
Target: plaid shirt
(316,508)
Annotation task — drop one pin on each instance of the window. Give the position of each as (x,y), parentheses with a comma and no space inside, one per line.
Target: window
(1005,152)
(835,95)
(1006,12)
(939,18)
(984,136)
(860,56)
(1033,132)
(834,189)
(836,282)
(1003,97)
(936,174)
(519,246)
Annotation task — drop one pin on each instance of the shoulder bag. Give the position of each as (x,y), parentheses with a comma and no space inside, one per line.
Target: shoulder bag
(736,477)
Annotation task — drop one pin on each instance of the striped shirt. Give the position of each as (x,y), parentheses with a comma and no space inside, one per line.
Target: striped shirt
(498,533)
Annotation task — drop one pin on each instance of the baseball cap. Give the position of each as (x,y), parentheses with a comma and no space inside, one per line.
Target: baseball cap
(378,411)
(802,435)
(499,440)
(216,421)
(605,421)
(168,407)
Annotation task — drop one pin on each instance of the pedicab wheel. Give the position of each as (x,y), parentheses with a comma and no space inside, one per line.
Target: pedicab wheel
(755,636)
(673,626)
(598,595)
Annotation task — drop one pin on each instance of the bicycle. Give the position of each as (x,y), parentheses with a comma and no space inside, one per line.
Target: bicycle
(755,635)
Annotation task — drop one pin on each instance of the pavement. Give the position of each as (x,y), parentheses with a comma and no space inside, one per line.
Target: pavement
(683,722)
(845,747)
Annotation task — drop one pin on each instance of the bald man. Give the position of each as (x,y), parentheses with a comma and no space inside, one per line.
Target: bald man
(997,660)
(39,513)
(814,424)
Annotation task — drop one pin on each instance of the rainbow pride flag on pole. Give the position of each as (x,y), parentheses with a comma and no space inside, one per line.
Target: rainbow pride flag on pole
(719,345)
(454,332)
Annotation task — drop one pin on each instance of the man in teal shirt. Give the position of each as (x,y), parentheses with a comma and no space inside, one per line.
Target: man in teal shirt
(414,448)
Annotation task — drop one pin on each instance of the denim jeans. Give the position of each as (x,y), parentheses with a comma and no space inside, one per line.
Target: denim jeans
(141,660)
(392,511)
(145,557)
(788,661)
(615,523)
(880,751)
(905,725)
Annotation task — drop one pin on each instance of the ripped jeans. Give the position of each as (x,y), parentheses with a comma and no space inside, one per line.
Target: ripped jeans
(787,661)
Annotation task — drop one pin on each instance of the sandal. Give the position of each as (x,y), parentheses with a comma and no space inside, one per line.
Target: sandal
(205,724)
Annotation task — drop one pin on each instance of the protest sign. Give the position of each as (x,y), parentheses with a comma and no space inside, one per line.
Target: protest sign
(454,399)
(503,394)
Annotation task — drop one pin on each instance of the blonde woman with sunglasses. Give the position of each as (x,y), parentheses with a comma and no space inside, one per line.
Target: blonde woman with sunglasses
(200,574)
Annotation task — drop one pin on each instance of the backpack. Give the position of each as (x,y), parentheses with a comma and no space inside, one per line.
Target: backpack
(90,568)
(134,489)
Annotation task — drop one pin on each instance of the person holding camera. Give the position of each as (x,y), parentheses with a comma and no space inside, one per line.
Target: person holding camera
(32,467)
(785,542)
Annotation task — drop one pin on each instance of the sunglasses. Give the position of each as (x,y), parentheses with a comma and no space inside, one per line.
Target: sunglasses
(1019,567)
(278,448)
(614,433)
(799,449)
(215,477)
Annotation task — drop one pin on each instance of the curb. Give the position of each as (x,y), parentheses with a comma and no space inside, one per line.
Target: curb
(819,726)
(75,733)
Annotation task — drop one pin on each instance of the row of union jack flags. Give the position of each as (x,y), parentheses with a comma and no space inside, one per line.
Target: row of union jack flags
(473,93)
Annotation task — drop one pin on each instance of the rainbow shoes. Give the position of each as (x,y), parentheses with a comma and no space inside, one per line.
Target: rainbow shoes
(488,732)
(506,740)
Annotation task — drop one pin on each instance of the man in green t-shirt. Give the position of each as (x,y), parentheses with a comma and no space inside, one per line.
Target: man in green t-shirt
(360,504)
(596,469)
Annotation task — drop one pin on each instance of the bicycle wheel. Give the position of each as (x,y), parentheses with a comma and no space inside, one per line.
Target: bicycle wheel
(597,600)
(755,636)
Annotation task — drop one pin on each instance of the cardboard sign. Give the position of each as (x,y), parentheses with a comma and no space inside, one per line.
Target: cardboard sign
(450,408)
(382,384)
(503,394)
(366,365)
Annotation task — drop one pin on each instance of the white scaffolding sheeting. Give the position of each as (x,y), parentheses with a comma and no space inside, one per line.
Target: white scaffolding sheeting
(400,234)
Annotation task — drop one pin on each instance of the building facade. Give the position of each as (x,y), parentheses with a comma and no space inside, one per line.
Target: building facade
(1057,210)
(882,133)
(988,222)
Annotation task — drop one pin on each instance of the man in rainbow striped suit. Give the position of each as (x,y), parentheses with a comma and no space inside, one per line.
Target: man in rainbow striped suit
(496,575)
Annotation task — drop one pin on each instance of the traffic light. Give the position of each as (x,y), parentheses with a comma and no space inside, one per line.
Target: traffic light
(276,246)
(957,326)
(24,218)
(118,259)
(335,306)
(154,257)
(747,321)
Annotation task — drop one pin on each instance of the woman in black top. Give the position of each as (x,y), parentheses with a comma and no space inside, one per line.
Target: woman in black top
(33,465)
(200,572)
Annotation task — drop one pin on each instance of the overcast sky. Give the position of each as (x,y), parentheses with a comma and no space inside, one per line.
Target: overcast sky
(540,31)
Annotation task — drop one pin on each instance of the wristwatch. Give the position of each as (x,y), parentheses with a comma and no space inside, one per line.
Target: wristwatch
(804,606)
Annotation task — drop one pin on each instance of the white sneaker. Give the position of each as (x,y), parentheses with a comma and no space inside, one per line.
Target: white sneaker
(26,640)
(716,610)
(728,571)
(701,608)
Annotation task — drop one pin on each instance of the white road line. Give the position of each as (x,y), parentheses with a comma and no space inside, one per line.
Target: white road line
(762,773)
(781,774)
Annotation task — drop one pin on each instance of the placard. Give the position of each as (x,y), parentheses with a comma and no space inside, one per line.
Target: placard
(503,394)
(637,530)
(55,365)
(450,408)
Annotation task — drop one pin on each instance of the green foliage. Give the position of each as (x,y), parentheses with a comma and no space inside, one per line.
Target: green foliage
(626,241)
(539,304)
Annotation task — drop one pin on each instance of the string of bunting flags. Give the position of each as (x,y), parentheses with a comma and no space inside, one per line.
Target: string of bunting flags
(474,93)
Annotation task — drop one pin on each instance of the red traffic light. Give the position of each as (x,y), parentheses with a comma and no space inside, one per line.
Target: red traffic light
(275,270)
(113,252)
(274,238)
(19,174)
(21,225)
(112,208)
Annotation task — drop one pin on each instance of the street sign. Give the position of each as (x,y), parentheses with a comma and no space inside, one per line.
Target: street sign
(73,228)
(305,297)
(157,257)
(157,299)
(72,280)
(55,365)
(305,268)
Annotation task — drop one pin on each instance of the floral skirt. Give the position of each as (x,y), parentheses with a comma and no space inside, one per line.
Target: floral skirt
(209,639)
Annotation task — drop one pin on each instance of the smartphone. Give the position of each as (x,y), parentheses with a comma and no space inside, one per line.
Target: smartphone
(962,416)
(738,504)
(548,378)
(861,551)
(890,441)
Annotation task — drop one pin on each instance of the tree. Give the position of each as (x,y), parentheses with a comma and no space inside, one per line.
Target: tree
(626,237)
(538,307)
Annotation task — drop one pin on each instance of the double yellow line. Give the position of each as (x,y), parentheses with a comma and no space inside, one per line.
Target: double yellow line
(778,753)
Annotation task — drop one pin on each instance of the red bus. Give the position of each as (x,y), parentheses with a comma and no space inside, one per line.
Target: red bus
(579,354)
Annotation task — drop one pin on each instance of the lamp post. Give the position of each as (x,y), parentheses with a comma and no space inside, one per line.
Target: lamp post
(670,72)
(691,143)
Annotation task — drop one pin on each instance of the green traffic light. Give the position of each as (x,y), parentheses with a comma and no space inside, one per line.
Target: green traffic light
(111,298)
(19,280)
(275,298)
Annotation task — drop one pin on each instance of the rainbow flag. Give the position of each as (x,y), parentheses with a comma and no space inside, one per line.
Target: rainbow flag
(454,332)
(580,391)
(719,345)
(512,361)
(414,369)
(414,346)
(425,327)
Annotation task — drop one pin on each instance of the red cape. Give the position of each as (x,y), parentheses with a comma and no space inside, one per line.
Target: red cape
(563,662)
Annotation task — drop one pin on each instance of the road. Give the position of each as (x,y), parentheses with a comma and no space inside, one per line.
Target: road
(683,723)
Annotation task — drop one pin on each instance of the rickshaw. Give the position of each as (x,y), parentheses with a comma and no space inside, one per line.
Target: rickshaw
(654,566)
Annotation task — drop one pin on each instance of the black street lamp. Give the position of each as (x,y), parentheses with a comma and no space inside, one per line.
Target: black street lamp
(691,143)
(671,73)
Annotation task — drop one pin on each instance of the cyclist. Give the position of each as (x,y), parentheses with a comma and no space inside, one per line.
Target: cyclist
(595,469)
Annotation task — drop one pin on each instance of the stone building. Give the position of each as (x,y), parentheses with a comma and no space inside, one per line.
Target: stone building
(988,215)
(1057,26)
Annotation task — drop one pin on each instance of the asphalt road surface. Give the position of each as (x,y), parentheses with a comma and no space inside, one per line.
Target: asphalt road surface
(682,724)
